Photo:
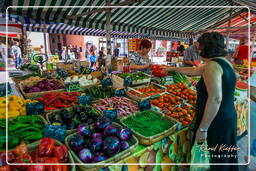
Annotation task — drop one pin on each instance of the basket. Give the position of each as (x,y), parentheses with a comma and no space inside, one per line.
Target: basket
(120,81)
(68,132)
(140,97)
(38,94)
(35,145)
(133,142)
(143,140)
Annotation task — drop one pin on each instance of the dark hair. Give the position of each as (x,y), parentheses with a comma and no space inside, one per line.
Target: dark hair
(145,43)
(212,45)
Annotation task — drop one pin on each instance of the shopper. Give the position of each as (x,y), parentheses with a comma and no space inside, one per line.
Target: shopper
(242,52)
(116,52)
(64,55)
(102,58)
(140,59)
(71,54)
(216,118)
(42,51)
(180,48)
(16,54)
(3,54)
(191,55)
(93,56)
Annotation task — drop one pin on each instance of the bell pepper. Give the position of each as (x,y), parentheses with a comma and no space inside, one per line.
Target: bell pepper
(36,168)
(11,157)
(21,149)
(61,153)
(5,168)
(64,168)
(25,158)
(53,167)
(46,147)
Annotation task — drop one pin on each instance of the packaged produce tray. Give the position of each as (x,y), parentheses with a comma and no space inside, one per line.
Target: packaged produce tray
(120,81)
(68,132)
(140,96)
(133,142)
(152,139)
(35,145)
(37,94)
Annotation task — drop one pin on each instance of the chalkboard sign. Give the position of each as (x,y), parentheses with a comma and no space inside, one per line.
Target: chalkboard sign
(120,92)
(128,81)
(144,105)
(111,114)
(73,86)
(3,89)
(35,108)
(57,132)
(106,82)
(84,99)
(167,80)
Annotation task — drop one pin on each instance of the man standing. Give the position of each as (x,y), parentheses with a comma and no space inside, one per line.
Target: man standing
(180,48)
(191,55)
(16,54)
(3,51)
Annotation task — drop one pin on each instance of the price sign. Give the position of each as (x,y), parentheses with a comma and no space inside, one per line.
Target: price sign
(35,108)
(167,80)
(111,114)
(73,86)
(120,92)
(3,89)
(57,132)
(144,105)
(128,81)
(106,82)
(84,99)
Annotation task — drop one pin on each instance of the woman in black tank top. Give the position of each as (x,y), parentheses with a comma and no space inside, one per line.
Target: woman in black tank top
(216,118)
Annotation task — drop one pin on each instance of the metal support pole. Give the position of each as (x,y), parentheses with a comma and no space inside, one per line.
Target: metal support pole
(253,41)
(229,25)
(108,36)
(45,45)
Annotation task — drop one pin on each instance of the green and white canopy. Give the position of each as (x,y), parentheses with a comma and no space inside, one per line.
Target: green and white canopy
(152,22)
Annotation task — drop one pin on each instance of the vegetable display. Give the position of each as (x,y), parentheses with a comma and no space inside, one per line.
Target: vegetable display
(31,67)
(44,85)
(134,76)
(16,106)
(178,77)
(240,85)
(147,123)
(183,114)
(46,152)
(72,117)
(98,92)
(146,91)
(123,106)
(22,128)
(166,101)
(99,143)
(83,80)
(59,100)
(181,90)
(157,71)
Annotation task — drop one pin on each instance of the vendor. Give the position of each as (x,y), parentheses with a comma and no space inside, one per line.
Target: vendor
(241,52)
(140,59)
(191,54)
(216,117)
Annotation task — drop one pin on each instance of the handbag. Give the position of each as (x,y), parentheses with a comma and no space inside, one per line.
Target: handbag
(200,156)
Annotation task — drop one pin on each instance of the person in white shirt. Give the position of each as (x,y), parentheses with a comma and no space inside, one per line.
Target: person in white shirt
(16,54)
(3,51)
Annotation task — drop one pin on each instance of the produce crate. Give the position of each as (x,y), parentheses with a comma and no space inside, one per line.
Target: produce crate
(64,66)
(37,94)
(35,146)
(68,132)
(143,140)
(133,142)
(120,81)
(140,96)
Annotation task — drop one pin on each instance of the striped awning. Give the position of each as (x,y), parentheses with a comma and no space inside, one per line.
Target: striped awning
(158,21)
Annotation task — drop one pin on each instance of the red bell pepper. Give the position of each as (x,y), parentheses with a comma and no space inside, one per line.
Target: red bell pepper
(5,168)
(53,167)
(25,158)
(3,157)
(61,153)
(64,168)
(36,168)
(20,149)
(46,147)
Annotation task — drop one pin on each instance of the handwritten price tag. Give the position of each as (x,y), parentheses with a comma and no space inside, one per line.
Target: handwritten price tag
(35,108)
(120,92)
(3,89)
(144,105)
(106,82)
(57,132)
(111,114)
(73,86)
(84,99)
(128,81)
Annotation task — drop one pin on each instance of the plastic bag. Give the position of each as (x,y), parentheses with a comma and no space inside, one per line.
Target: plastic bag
(200,155)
